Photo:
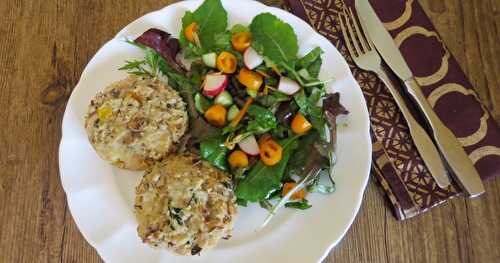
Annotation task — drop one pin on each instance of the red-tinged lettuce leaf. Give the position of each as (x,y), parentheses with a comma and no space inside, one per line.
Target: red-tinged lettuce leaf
(332,105)
(333,109)
(162,42)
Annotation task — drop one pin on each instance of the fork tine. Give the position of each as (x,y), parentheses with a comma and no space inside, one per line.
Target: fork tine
(346,36)
(366,34)
(358,32)
(351,32)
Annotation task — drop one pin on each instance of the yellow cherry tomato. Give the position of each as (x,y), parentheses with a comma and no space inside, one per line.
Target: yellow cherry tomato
(300,124)
(241,41)
(271,152)
(238,159)
(227,62)
(251,80)
(264,138)
(216,115)
(190,31)
(298,195)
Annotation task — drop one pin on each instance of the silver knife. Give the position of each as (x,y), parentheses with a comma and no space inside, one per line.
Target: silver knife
(464,171)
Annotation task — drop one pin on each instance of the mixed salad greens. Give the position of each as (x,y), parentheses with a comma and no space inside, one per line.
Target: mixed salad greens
(257,110)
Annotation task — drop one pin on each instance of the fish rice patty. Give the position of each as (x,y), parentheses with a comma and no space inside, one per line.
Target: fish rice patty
(185,204)
(135,122)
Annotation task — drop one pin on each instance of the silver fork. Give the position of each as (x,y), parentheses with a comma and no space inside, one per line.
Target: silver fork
(366,57)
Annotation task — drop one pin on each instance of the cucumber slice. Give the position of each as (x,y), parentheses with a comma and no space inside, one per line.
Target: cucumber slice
(233,111)
(201,103)
(224,98)
(210,59)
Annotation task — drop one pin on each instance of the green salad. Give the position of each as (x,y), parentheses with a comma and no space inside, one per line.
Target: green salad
(257,110)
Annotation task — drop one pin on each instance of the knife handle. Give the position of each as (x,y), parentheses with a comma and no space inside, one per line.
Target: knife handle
(424,144)
(464,171)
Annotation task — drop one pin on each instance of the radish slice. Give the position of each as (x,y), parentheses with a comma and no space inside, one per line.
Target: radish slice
(214,84)
(288,86)
(249,145)
(251,58)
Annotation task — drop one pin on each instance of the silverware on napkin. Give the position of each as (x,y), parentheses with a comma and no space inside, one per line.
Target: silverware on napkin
(464,171)
(366,57)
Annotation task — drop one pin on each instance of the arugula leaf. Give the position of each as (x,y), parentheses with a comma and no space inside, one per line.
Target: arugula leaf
(215,152)
(314,68)
(274,38)
(311,57)
(301,205)
(211,18)
(273,98)
(262,180)
(263,119)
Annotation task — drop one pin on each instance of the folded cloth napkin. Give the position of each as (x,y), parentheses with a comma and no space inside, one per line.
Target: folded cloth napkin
(396,163)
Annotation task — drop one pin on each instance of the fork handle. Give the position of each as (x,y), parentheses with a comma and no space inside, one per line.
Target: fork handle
(423,142)
(464,171)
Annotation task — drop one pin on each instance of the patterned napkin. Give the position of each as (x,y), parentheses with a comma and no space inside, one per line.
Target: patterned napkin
(396,163)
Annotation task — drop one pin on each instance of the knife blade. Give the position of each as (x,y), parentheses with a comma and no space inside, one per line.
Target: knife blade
(464,171)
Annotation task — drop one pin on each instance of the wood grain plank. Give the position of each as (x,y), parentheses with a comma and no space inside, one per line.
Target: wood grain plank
(32,202)
(75,248)
(484,225)
(433,232)
(365,240)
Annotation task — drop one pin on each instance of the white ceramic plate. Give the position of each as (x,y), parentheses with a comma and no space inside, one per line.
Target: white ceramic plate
(100,197)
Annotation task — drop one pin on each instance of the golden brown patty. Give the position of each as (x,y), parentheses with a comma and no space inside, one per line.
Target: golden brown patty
(135,122)
(184,204)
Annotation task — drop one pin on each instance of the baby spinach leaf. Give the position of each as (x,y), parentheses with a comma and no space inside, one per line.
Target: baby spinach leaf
(214,151)
(211,18)
(262,180)
(263,119)
(301,205)
(274,38)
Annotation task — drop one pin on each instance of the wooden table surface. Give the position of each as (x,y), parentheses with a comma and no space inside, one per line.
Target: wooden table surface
(46,44)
